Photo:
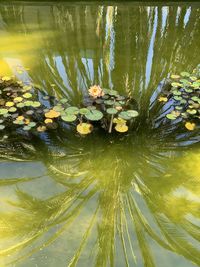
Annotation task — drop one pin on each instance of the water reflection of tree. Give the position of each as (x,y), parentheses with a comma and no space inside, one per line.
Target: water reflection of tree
(134,197)
(124,182)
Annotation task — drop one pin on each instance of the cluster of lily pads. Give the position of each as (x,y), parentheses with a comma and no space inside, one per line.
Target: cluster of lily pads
(184,98)
(21,108)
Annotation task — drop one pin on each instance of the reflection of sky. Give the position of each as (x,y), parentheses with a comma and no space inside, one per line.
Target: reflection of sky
(187,16)
(151,49)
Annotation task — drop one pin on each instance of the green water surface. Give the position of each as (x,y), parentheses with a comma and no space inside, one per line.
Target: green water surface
(103,200)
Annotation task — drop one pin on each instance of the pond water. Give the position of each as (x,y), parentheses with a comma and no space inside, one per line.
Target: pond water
(103,200)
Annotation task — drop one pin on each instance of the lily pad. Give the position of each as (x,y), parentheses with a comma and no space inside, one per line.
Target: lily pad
(72,110)
(84,128)
(94,115)
(171,116)
(111,111)
(69,117)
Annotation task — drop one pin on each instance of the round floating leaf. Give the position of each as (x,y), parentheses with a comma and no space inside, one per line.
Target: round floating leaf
(182,101)
(193,78)
(84,128)
(178,107)
(3,111)
(36,104)
(2,127)
(58,108)
(20,105)
(113,93)
(1,121)
(9,104)
(125,115)
(94,115)
(188,90)
(6,78)
(162,99)
(171,116)
(191,111)
(190,126)
(18,99)
(48,121)
(27,95)
(72,110)
(12,109)
(68,117)
(111,111)
(176,92)
(119,120)
(121,127)
(178,98)
(26,128)
(41,129)
(83,111)
(52,114)
(32,124)
(109,102)
(28,103)
(91,107)
(185,74)
(174,76)
(132,113)
(175,84)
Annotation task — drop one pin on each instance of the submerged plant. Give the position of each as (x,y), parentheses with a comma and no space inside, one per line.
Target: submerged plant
(183,98)
(22,109)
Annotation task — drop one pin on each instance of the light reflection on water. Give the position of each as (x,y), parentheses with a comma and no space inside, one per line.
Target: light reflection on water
(101,201)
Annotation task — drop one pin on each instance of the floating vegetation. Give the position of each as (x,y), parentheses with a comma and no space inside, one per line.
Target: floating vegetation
(183,98)
(21,109)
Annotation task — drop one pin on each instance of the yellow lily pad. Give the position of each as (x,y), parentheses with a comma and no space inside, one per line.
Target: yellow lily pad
(190,126)
(52,114)
(9,104)
(84,128)
(18,99)
(174,76)
(121,127)
(48,121)
(6,78)
(162,99)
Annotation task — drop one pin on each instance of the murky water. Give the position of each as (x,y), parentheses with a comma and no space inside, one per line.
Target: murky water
(101,200)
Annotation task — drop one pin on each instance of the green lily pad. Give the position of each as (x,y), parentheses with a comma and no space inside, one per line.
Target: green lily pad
(185,74)
(58,108)
(3,111)
(191,111)
(12,109)
(125,115)
(36,104)
(171,116)
(176,92)
(94,115)
(178,98)
(133,113)
(111,111)
(26,128)
(72,110)
(109,102)
(2,127)
(20,105)
(27,95)
(83,111)
(32,124)
(175,84)
(68,117)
